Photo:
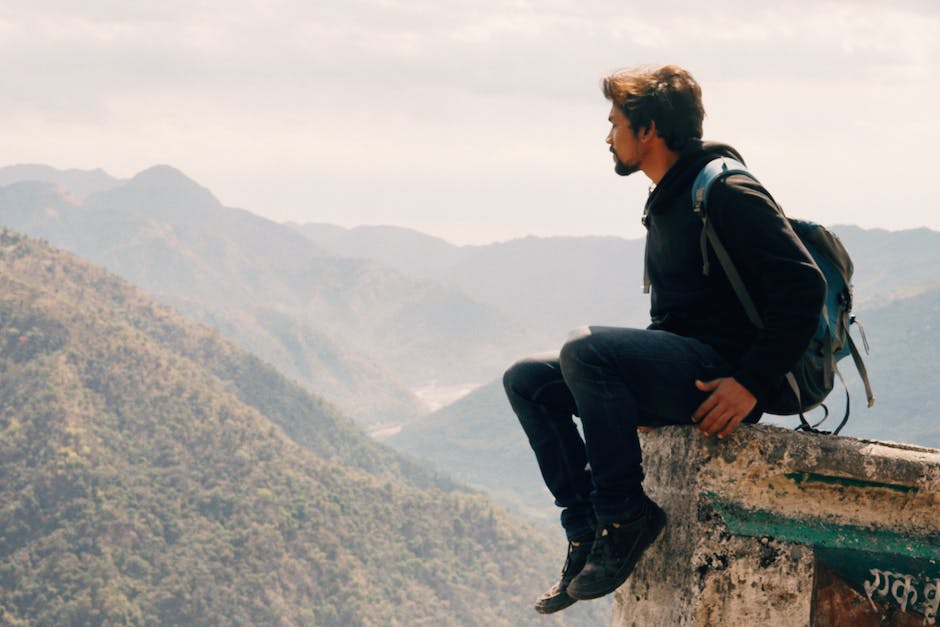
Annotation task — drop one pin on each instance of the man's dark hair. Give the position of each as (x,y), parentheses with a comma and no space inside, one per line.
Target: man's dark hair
(668,96)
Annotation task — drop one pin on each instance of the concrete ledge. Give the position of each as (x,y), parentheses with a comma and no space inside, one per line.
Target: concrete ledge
(771,526)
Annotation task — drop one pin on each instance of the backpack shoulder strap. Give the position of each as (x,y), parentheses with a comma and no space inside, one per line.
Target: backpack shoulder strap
(734,278)
(713,171)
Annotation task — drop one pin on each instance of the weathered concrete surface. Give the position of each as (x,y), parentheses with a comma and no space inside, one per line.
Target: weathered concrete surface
(775,527)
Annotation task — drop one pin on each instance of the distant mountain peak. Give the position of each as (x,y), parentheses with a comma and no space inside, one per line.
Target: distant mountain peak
(165,179)
(163,172)
(160,190)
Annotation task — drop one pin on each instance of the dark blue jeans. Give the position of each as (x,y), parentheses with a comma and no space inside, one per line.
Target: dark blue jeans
(614,379)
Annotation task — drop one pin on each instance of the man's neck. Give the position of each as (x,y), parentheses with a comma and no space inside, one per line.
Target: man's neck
(658,163)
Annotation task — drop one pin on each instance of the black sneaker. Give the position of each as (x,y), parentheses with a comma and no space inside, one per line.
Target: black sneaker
(616,550)
(557,597)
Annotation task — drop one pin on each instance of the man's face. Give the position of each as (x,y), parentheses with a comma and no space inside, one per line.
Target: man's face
(623,142)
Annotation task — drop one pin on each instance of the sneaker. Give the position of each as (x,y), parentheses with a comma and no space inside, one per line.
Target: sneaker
(616,550)
(557,596)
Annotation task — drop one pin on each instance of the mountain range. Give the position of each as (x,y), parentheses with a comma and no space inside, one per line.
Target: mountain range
(357,331)
(153,473)
(113,405)
(366,316)
(553,284)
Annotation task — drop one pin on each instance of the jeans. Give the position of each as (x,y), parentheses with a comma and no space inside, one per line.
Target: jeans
(614,379)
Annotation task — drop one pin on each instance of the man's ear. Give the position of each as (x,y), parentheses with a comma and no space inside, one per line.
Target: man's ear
(649,132)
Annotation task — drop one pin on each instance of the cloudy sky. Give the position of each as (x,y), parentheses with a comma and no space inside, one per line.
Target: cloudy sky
(473,120)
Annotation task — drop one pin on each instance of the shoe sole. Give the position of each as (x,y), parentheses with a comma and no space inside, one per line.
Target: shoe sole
(554,604)
(642,544)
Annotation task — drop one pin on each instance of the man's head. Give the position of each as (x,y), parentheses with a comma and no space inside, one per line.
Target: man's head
(663,102)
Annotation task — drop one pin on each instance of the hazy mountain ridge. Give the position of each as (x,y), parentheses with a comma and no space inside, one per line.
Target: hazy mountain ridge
(891,264)
(408,251)
(554,284)
(169,235)
(558,283)
(147,482)
(425,329)
(79,183)
(304,353)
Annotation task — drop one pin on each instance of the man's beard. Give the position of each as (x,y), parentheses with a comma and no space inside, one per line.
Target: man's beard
(625,169)
(621,168)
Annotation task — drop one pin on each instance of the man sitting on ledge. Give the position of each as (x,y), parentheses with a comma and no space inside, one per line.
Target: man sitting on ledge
(699,362)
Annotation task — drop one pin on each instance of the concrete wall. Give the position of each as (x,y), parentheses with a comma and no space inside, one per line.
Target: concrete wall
(775,527)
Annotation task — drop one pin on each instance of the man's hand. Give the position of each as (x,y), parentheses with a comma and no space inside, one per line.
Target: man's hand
(728,404)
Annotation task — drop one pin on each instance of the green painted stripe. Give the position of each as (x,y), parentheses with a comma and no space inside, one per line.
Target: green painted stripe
(811,477)
(819,533)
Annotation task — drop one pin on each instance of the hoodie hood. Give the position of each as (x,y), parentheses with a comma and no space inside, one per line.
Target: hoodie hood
(678,179)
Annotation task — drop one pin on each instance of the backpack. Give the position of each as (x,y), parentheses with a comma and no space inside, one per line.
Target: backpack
(812,377)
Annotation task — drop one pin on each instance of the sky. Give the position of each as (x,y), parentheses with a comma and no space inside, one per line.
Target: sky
(474,120)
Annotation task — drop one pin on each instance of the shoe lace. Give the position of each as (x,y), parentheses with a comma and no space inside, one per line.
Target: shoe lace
(571,547)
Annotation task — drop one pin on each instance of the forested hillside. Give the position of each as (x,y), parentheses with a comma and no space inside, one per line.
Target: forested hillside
(478,440)
(154,474)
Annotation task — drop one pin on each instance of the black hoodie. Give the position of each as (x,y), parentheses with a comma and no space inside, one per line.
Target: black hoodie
(779,273)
